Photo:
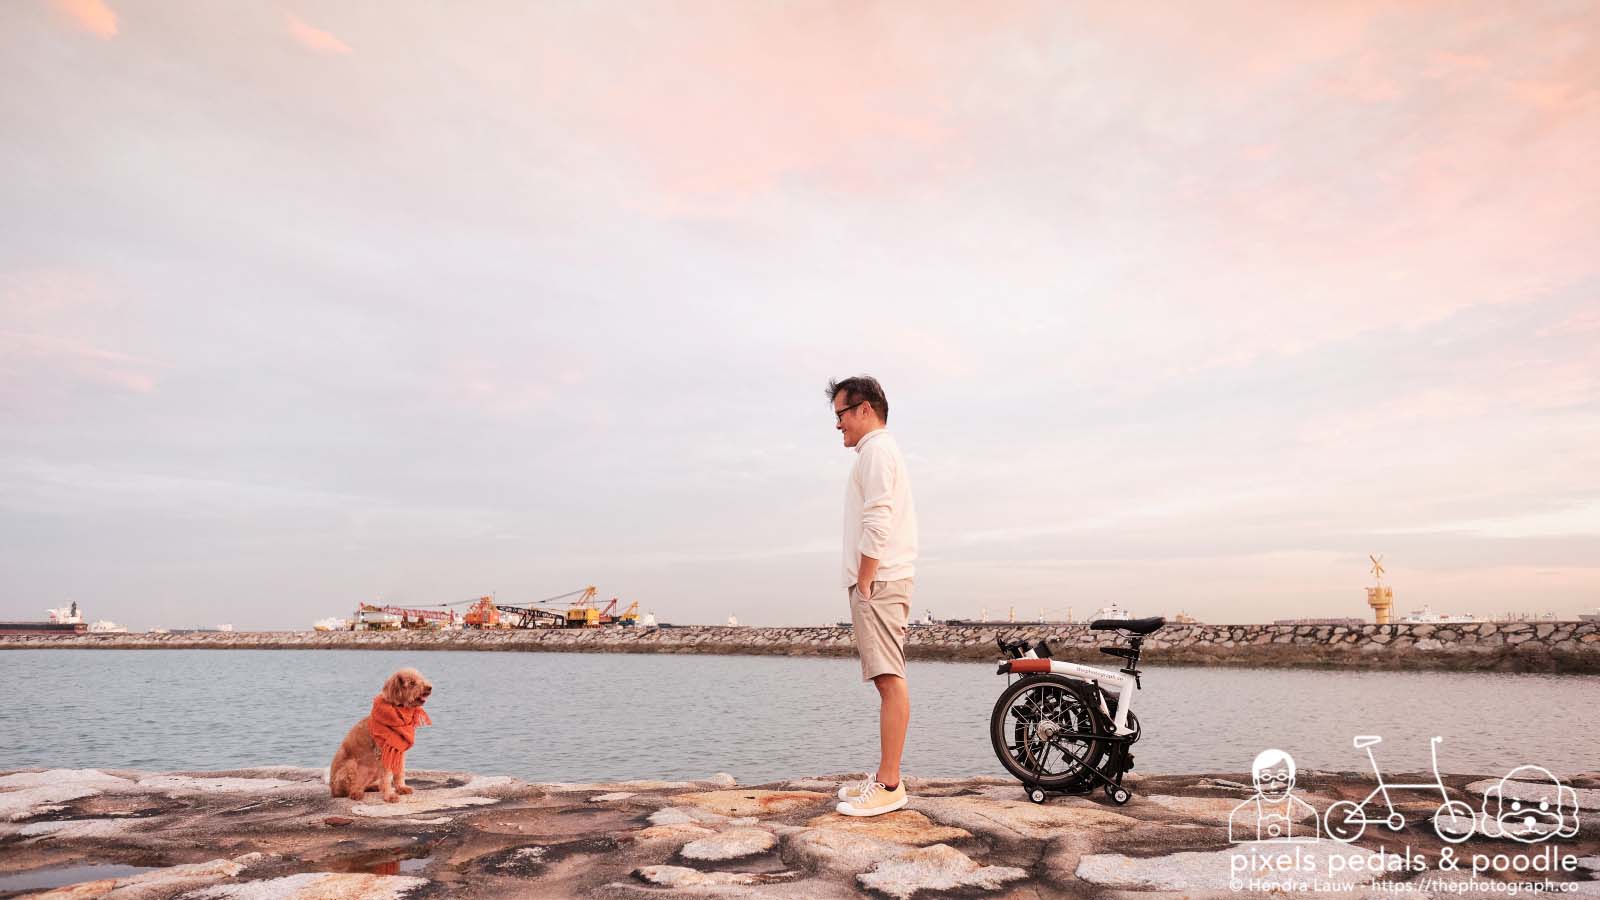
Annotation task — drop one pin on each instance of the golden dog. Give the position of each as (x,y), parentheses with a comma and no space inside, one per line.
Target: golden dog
(360,765)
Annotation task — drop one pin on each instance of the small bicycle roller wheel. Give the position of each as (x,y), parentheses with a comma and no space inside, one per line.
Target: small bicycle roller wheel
(1044,733)
(1118,794)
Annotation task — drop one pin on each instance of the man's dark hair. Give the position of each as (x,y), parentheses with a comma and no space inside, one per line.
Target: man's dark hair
(861,388)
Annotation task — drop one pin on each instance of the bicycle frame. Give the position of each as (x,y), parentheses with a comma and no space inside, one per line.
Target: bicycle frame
(1101,678)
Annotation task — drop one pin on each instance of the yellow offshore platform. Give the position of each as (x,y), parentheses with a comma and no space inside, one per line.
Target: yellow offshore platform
(1381,596)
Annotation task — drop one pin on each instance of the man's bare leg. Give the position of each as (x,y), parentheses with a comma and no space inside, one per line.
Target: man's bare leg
(894,714)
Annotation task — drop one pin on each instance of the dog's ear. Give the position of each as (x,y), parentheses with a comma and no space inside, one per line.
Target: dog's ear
(394,690)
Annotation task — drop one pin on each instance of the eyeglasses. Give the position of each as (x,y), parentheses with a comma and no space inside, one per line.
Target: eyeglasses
(1279,777)
(838,414)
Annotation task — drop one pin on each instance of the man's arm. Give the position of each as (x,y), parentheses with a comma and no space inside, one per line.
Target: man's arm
(867,574)
(877,494)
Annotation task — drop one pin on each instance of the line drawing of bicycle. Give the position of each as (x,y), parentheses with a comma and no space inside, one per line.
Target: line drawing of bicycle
(1345,820)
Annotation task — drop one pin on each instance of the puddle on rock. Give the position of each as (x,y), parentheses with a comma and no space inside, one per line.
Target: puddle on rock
(406,861)
(61,876)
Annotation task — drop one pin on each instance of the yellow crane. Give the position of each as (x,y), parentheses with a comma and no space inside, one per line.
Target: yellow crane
(582,613)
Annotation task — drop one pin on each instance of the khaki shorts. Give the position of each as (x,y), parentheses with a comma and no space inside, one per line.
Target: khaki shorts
(879,624)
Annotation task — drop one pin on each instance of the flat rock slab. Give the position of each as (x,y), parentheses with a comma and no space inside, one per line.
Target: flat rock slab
(39,800)
(754,802)
(160,883)
(719,780)
(1226,870)
(266,833)
(905,826)
(79,829)
(181,785)
(731,844)
(937,868)
(1009,818)
(680,877)
(839,852)
(1217,810)
(93,778)
(416,804)
(676,834)
(316,886)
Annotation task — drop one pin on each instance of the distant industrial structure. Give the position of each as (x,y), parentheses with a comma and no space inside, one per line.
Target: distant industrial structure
(485,614)
(1381,596)
(1326,620)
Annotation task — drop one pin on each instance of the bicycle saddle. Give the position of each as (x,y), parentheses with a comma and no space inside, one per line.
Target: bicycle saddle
(1135,626)
(1367,740)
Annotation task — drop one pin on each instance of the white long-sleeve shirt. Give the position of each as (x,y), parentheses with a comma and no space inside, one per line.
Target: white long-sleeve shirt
(880,519)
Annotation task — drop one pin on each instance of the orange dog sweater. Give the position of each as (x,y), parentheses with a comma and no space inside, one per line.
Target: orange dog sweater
(395,730)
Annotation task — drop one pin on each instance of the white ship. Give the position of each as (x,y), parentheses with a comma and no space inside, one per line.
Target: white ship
(1426,615)
(1590,616)
(1110,612)
(331,624)
(65,615)
(63,620)
(106,626)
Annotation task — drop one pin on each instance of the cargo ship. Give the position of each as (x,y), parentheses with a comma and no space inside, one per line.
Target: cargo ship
(66,620)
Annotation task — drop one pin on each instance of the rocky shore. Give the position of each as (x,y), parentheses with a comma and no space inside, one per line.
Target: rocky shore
(275,832)
(1480,646)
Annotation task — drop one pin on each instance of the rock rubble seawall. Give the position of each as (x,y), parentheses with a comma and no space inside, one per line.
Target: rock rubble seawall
(1489,646)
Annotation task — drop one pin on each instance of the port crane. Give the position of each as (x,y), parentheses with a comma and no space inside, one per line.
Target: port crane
(488,614)
(485,613)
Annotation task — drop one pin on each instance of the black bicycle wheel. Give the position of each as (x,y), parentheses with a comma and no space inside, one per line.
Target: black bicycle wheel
(1044,732)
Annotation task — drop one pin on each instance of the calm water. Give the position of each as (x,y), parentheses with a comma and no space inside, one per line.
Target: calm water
(581,717)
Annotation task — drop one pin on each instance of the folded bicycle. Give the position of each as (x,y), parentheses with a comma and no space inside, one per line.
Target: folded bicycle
(1066,728)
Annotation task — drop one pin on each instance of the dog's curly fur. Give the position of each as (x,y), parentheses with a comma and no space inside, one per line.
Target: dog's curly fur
(357,767)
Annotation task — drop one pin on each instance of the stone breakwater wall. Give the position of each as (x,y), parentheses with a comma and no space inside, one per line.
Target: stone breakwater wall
(1514,647)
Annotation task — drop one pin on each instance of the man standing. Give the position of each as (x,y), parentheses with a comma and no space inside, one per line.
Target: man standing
(880,552)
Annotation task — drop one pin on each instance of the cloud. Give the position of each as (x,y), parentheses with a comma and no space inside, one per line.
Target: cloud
(94,15)
(721,106)
(59,327)
(82,360)
(1167,288)
(314,38)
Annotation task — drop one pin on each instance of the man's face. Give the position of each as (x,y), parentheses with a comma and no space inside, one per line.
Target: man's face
(1274,782)
(852,421)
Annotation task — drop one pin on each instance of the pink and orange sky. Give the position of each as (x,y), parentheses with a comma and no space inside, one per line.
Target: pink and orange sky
(1182,307)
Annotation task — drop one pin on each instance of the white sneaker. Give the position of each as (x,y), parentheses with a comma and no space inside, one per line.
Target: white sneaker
(852,788)
(875,801)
